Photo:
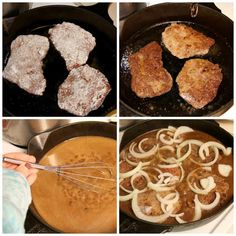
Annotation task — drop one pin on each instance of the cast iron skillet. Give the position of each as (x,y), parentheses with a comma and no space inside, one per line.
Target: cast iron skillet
(146,26)
(17,102)
(40,144)
(209,127)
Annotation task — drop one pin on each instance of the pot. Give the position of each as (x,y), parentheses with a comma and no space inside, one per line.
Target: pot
(20,131)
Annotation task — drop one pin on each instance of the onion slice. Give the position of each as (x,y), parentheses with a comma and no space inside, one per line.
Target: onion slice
(140,145)
(179,220)
(146,154)
(137,211)
(171,198)
(205,148)
(158,188)
(211,205)
(197,210)
(181,130)
(140,173)
(128,196)
(195,189)
(208,163)
(132,172)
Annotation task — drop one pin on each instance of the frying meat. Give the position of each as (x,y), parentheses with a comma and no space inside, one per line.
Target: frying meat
(73,42)
(149,77)
(84,90)
(184,42)
(24,66)
(199,81)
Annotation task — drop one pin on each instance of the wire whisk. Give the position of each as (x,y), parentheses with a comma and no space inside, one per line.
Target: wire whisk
(91,176)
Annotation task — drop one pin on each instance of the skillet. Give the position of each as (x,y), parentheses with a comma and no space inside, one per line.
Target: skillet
(147,25)
(207,126)
(17,102)
(40,144)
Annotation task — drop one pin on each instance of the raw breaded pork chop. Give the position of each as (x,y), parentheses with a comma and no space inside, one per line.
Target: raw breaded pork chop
(73,42)
(149,77)
(199,81)
(184,42)
(24,66)
(84,90)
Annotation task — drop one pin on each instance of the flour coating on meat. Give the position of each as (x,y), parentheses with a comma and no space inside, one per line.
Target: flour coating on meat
(24,66)
(73,42)
(199,81)
(149,77)
(184,42)
(83,91)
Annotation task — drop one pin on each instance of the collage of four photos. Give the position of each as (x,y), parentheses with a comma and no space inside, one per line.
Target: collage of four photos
(117,117)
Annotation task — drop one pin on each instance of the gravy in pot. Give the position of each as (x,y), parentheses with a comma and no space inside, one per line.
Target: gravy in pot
(65,206)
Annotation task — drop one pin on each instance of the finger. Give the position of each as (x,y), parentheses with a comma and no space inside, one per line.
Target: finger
(33,171)
(31,178)
(21,156)
(23,170)
(9,165)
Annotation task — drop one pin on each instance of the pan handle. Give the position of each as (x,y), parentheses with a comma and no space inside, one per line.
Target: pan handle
(193,10)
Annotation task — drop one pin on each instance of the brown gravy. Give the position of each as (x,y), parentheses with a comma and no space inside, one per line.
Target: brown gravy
(62,204)
(224,184)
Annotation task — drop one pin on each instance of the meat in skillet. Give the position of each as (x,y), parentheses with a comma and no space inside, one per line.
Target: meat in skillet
(24,66)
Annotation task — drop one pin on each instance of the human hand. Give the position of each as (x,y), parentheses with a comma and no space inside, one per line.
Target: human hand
(29,173)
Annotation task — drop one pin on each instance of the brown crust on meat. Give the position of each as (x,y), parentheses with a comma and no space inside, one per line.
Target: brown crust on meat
(184,42)
(199,81)
(149,77)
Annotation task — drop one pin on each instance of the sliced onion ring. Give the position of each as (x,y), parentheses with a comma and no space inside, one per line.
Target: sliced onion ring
(137,211)
(140,173)
(146,154)
(171,198)
(197,210)
(131,172)
(205,148)
(208,163)
(197,190)
(159,188)
(181,130)
(211,205)
(140,145)
(128,196)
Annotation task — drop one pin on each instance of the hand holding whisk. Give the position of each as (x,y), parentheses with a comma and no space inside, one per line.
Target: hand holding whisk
(91,176)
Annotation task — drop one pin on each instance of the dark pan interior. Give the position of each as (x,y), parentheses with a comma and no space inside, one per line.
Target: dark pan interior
(207,126)
(171,104)
(17,102)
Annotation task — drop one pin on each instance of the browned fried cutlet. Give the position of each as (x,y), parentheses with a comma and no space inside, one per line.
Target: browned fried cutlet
(149,77)
(199,81)
(184,42)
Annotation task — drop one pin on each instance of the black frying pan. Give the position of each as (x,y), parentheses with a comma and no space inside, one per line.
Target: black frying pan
(146,26)
(17,102)
(209,127)
(40,144)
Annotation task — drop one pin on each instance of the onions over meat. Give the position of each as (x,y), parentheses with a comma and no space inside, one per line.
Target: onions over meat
(175,165)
